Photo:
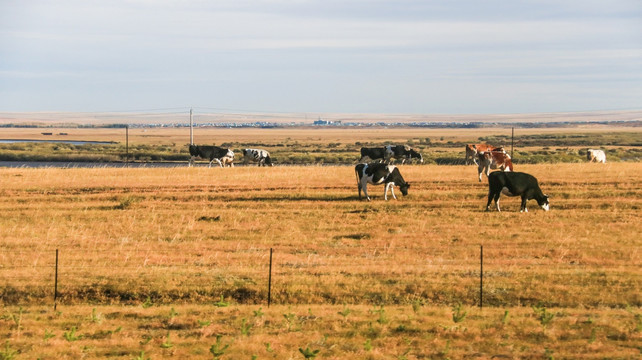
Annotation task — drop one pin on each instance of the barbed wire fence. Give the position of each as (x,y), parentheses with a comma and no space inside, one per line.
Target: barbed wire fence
(372,276)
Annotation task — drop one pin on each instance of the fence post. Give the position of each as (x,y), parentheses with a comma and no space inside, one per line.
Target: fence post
(56,283)
(512,140)
(270,281)
(127,145)
(481,275)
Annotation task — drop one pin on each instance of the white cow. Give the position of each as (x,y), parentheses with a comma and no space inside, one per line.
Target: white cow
(596,155)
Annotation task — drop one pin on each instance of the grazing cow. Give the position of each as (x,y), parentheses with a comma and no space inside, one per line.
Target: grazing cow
(473,149)
(596,155)
(260,156)
(403,152)
(493,160)
(221,155)
(379,173)
(515,184)
(373,154)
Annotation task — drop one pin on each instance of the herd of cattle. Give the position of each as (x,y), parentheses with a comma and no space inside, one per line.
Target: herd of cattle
(376,168)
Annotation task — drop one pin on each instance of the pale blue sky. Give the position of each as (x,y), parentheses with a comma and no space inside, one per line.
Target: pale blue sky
(325,56)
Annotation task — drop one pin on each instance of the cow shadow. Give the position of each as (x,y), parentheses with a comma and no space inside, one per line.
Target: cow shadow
(297,198)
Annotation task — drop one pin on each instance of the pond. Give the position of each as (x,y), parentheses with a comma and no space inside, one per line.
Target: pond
(72,142)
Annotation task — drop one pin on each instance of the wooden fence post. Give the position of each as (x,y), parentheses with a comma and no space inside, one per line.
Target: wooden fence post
(481,275)
(56,283)
(270,281)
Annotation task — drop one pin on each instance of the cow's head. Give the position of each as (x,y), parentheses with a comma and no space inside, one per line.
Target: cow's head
(543,203)
(404,188)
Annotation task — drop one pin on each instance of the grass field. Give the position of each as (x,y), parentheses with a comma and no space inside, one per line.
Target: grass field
(305,146)
(161,261)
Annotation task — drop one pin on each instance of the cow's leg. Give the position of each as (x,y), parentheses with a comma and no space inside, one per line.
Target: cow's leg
(523,207)
(392,189)
(364,186)
(210,164)
(190,161)
(499,193)
(219,162)
(490,200)
(480,169)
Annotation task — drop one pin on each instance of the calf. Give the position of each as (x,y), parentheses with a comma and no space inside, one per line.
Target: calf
(379,173)
(596,155)
(221,155)
(403,152)
(260,156)
(515,184)
(493,160)
(373,154)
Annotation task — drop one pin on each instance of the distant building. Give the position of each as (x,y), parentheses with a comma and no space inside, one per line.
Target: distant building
(326,123)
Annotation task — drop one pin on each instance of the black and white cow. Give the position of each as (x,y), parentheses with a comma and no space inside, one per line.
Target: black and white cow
(401,152)
(262,157)
(209,152)
(373,154)
(515,184)
(380,173)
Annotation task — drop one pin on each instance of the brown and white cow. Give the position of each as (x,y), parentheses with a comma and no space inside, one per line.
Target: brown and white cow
(473,149)
(493,160)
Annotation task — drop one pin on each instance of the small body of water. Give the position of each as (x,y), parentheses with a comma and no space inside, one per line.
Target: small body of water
(72,142)
(77,164)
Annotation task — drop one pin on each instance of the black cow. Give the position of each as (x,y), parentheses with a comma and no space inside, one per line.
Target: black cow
(515,184)
(209,152)
(373,154)
(403,152)
(379,173)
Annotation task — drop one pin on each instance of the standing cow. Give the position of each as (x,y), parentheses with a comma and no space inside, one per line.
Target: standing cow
(515,184)
(212,153)
(260,156)
(377,174)
(493,160)
(403,152)
(593,155)
(473,149)
(372,154)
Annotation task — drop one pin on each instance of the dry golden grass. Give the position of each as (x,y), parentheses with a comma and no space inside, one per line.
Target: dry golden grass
(184,237)
(336,332)
(179,136)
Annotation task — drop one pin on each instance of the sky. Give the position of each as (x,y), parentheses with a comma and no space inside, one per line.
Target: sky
(321,56)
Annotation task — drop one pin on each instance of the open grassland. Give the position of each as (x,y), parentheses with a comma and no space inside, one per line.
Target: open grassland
(305,146)
(171,258)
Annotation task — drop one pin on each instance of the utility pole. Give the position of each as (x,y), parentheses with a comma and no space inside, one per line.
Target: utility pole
(191,130)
